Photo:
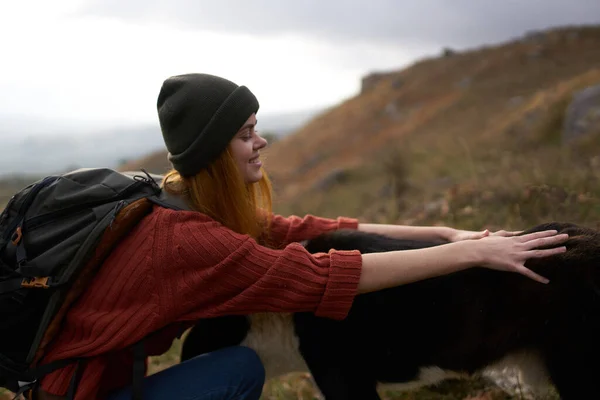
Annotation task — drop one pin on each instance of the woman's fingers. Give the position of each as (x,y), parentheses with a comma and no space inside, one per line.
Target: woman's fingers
(537,235)
(530,274)
(540,254)
(545,252)
(546,241)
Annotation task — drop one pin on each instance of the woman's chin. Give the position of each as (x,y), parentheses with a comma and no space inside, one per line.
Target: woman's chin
(254,177)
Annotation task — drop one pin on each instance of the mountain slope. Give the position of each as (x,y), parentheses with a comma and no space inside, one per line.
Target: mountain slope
(468,96)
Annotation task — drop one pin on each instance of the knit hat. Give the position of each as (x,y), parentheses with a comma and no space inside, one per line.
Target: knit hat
(199,114)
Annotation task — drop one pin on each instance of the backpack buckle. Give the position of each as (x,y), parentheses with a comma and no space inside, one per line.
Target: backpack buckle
(37,282)
(17,236)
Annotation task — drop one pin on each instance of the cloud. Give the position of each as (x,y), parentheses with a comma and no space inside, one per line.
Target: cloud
(457,23)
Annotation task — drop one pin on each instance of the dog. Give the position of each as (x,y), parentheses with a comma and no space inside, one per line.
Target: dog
(457,325)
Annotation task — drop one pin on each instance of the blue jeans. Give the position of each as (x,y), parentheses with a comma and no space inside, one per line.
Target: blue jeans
(230,373)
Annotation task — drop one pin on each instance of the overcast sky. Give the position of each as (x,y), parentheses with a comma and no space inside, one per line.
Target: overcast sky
(102,62)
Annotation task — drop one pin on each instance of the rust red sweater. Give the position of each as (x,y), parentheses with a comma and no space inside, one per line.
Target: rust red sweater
(176,267)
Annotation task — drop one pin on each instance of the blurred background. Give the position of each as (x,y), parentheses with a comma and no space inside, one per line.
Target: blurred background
(476,114)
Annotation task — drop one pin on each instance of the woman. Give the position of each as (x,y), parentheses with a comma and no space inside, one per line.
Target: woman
(233,256)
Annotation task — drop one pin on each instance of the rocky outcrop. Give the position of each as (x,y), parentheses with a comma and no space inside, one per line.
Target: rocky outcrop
(369,82)
(583,114)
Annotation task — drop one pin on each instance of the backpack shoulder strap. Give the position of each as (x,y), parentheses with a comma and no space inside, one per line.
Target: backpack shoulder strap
(167,200)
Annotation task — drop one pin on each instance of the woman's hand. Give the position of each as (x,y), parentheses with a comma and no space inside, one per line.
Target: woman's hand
(509,252)
(456,235)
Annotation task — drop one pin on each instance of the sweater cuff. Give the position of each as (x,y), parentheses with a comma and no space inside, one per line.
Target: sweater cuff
(345,269)
(347,223)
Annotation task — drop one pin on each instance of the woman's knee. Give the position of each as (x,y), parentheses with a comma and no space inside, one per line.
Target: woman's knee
(248,361)
(249,370)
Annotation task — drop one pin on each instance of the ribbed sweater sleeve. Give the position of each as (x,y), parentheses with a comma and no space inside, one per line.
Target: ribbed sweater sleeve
(207,270)
(285,230)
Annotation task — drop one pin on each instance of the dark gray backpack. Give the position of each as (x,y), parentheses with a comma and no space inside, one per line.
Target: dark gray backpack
(54,235)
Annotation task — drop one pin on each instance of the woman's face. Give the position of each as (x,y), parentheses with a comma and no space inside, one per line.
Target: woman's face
(245,148)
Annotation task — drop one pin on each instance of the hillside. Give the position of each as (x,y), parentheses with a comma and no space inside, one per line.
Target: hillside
(496,107)
(440,112)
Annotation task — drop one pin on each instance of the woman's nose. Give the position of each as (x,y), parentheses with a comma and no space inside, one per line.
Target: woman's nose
(261,142)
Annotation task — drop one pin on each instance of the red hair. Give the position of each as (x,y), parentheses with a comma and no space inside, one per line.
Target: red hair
(220,192)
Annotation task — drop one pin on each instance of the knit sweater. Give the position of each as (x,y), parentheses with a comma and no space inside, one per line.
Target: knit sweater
(176,267)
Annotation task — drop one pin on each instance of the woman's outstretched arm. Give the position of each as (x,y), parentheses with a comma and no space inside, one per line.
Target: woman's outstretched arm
(383,270)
